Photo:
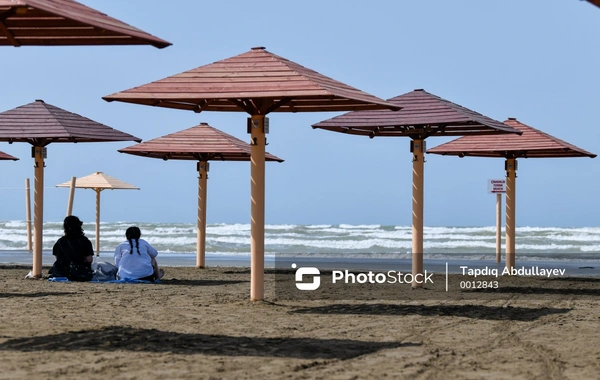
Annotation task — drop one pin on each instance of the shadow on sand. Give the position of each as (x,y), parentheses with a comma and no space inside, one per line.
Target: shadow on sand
(469,311)
(118,338)
(175,281)
(35,295)
(521,290)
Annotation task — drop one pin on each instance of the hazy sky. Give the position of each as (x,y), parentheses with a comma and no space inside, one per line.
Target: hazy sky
(535,60)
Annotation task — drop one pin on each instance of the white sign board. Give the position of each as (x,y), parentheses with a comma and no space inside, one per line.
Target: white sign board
(497,186)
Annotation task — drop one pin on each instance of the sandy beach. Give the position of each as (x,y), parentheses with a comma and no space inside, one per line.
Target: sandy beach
(201,324)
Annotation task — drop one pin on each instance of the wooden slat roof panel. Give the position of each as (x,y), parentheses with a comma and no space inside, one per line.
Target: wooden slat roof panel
(65,22)
(533,143)
(595,2)
(422,114)
(6,156)
(257,75)
(201,142)
(43,121)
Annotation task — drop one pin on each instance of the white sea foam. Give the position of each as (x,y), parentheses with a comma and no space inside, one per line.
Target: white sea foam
(368,240)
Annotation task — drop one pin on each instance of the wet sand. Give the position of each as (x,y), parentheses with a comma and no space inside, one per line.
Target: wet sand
(200,324)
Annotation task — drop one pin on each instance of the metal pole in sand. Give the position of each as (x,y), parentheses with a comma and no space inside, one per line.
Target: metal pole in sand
(98,190)
(28,213)
(418,150)
(257,206)
(511,175)
(38,210)
(71,196)
(202,192)
(498,227)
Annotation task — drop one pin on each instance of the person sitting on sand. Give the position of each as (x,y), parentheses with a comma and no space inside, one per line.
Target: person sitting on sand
(73,252)
(136,258)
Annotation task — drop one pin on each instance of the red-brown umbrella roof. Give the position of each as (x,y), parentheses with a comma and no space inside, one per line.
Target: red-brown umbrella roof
(257,82)
(201,143)
(595,2)
(533,143)
(65,22)
(422,115)
(5,156)
(40,124)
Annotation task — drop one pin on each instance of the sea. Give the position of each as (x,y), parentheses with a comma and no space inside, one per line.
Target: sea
(176,242)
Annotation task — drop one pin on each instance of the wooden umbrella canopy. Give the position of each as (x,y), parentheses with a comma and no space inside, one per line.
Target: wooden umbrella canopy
(257,82)
(595,2)
(97,181)
(40,124)
(422,115)
(65,22)
(533,143)
(201,143)
(5,156)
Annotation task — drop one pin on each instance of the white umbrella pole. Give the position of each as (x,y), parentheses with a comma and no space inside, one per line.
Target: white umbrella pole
(257,207)
(38,210)
(98,221)
(511,182)
(28,212)
(418,151)
(71,196)
(201,238)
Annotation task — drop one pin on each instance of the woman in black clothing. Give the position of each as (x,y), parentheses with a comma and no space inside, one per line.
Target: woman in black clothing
(72,248)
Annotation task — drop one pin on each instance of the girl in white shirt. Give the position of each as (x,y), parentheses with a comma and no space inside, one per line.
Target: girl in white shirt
(136,258)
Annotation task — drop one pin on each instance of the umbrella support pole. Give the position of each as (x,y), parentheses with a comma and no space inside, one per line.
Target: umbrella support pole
(418,150)
(38,210)
(257,206)
(71,196)
(98,221)
(511,181)
(202,193)
(28,213)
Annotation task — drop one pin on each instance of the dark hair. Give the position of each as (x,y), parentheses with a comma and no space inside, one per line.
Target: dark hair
(72,226)
(133,233)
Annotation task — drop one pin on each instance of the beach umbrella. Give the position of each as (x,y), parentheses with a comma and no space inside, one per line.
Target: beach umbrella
(533,143)
(595,2)
(256,82)
(98,181)
(422,115)
(5,156)
(201,143)
(65,22)
(41,124)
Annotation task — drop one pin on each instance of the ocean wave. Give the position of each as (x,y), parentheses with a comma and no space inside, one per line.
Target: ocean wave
(364,239)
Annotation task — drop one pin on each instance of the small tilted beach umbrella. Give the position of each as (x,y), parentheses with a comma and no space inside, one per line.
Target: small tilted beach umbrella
(98,181)
(65,23)
(41,124)
(533,143)
(201,143)
(6,156)
(257,82)
(422,115)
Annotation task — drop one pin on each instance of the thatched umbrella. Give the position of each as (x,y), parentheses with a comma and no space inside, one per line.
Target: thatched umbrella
(422,115)
(65,22)
(201,143)
(257,82)
(41,124)
(98,181)
(5,156)
(533,143)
